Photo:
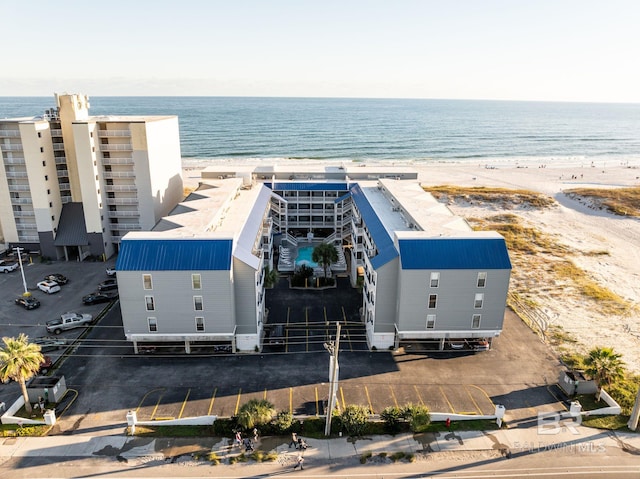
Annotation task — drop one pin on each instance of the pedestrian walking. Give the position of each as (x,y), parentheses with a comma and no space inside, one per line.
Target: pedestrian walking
(238,438)
(302,444)
(294,440)
(299,462)
(2,406)
(255,434)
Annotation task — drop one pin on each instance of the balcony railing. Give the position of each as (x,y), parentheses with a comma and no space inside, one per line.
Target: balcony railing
(122,201)
(123,214)
(22,213)
(118,161)
(108,133)
(65,199)
(17,174)
(22,227)
(13,147)
(58,147)
(19,187)
(9,133)
(61,160)
(28,239)
(14,161)
(116,147)
(62,173)
(21,201)
(56,133)
(125,226)
(119,174)
(121,188)
(64,186)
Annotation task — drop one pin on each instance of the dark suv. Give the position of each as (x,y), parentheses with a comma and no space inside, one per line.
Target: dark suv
(108,285)
(28,302)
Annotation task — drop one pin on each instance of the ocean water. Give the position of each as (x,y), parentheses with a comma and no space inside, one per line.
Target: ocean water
(397,130)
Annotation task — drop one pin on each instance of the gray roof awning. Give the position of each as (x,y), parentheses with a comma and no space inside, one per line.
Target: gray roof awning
(72,230)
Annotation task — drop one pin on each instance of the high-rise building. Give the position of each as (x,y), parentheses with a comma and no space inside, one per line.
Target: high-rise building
(71,184)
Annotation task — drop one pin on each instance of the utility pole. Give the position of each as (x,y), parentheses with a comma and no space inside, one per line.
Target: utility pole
(333,348)
(19,251)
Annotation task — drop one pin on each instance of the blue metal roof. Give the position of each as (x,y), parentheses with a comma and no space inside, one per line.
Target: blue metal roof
(307,186)
(454,253)
(379,234)
(178,254)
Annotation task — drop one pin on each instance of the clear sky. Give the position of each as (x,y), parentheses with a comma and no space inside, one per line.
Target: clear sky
(558,50)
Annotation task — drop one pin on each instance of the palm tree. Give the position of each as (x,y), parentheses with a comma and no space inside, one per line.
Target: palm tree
(255,412)
(605,366)
(325,254)
(20,361)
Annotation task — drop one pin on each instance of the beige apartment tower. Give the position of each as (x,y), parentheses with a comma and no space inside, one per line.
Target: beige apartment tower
(71,184)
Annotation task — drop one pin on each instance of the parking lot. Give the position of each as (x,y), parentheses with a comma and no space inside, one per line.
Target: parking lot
(518,372)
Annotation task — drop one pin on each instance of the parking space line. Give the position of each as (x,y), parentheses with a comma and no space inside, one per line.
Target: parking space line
(291,400)
(447,399)
(366,391)
(145,397)
(155,409)
(213,398)
(184,403)
(349,339)
(286,338)
(265,394)
(475,404)
(288,313)
(317,403)
(235,413)
(344,315)
(418,393)
(344,404)
(395,401)
(557,399)
(326,320)
(485,395)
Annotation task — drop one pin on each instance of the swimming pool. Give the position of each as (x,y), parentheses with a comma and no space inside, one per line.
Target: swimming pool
(304,257)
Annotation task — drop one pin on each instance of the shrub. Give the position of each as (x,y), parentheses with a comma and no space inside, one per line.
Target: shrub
(354,419)
(418,417)
(397,456)
(282,422)
(213,458)
(255,412)
(224,427)
(365,456)
(393,418)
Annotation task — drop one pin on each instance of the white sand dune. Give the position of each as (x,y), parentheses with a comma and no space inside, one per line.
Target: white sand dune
(582,227)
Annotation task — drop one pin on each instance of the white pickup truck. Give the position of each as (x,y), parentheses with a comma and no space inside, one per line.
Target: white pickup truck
(7,267)
(68,321)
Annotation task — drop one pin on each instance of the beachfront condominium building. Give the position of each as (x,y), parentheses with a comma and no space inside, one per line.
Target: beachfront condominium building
(72,185)
(199,276)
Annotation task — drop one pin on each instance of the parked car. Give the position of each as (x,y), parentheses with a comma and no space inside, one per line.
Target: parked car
(48,287)
(111,271)
(56,278)
(45,364)
(48,343)
(98,297)
(108,285)
(28,302)
(8,267)
(68,321)
(457,343)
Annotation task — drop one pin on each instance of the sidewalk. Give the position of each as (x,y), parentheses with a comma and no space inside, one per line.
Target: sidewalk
(135,451)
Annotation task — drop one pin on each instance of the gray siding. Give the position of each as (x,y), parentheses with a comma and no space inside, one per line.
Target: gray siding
(455,300)
(385,299)
(174,305)
(244,278)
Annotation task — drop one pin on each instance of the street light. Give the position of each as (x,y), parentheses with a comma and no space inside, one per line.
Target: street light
(332,348)
(19,251)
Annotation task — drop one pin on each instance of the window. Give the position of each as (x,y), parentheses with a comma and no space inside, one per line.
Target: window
(44,163)
(199,324)
(42,151)
(475,321)
(46,177)
(431,321)
(39,135)
(482,280)
(146,280)
(433,299)
(149,303)
(435,279)
(153,324)
(197,303)
(478,301)
(196,282)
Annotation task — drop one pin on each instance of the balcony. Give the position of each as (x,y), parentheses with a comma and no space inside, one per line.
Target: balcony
(113,133)
(16,174)
(116,239)
(14,161)
(12,147)
(65,199)
(121,201)
(61,160)
(21,201)
(119,174)
(23,214)
(9,133)
(56,133)
(121,188)
(19,187)
(116,147)
(64,186)
(28,239)
(25,227)
(125,226)
(123,214)
(58,147)
(62,173)
(118,161)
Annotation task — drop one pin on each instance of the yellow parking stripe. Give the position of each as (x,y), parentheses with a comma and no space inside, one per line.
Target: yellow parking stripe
(238,402)
(317,403)
(184,403)
(349,340)
(213,398)
(145,397)
(326,320)
(368,400)
(395,401)
(286,338)
(447,399)
(155,409)
(291,400)
(418,393)
(473,401)
(344,315)
(485,395)
(344,404)
(265,394)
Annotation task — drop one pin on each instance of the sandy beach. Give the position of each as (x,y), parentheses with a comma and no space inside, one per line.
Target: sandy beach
(581,227)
